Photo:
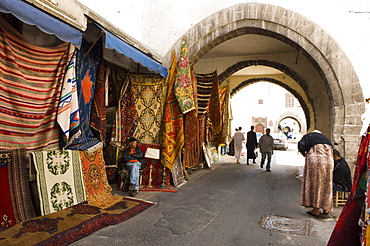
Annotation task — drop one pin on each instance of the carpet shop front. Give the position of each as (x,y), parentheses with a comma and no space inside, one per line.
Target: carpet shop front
(70,98)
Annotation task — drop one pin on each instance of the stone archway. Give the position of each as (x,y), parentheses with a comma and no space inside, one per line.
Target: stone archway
(295,116)
(334,93)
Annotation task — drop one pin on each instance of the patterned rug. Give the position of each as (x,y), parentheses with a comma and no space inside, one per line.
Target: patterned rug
(98,191)
(157,169)
(287,225)
(126,119)
(59,179)
(15,199)
(184,87)
(173,121)
(98,109)
(29,103)
(71,224)
(178,173)
(68,116)
(204,89)
(192,141)
(86,68)
(148,91)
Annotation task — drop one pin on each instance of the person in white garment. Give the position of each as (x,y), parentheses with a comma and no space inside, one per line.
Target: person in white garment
(238,144)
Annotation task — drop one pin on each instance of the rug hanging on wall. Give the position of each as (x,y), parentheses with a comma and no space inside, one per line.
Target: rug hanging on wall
(15,199)
(98,191)
(86,69)
(59,179)
(29,103)
(173,121)
(148,91)
(71,224)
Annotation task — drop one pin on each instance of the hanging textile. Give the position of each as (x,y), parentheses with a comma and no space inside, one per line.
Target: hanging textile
(98,110)
(59,179)
(224,115)
(87,64)
(347,230)
(30,88)
(173,124)
(126,119)
(215,110)
(15,198)
(184,90)
(68,116)
(148,91)
(204,89)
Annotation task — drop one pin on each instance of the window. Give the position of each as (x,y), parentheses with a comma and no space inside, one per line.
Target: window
(289,100)
(260,101)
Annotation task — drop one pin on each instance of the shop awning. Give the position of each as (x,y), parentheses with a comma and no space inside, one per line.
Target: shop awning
(43,21)
(120,46)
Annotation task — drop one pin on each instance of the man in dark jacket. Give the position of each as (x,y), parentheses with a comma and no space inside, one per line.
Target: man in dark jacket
(132,159)
(341,174)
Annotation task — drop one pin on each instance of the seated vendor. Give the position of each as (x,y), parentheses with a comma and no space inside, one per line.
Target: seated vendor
(341,174)
(132,159)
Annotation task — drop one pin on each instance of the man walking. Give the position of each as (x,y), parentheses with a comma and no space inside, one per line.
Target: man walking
(266,149)
(238,143)
(251,145)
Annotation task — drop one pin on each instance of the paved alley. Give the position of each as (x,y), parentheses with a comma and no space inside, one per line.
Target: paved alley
(225,205)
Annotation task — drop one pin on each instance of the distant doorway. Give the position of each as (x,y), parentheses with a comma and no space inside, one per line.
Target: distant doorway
(260,128)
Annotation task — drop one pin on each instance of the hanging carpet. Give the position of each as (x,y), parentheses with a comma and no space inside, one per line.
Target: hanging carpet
(347,230)
(173,121)
(184,89)
(31,79)
(98,191)
(148,91)
(204,89)
(68,115)
(126,119)
(59,179)
(15,199)
(87,65)
(71,224)
(192,143)
(98,110)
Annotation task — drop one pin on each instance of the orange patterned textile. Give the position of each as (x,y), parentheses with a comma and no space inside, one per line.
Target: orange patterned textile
(173,120)
(98,191)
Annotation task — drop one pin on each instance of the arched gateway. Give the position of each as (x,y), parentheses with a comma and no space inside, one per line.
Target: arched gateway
(318,73)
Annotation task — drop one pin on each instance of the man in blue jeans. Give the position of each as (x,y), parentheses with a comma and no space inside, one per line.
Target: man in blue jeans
(132,159)
(267,149)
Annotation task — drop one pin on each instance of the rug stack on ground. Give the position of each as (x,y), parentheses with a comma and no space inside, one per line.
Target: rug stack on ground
(71,224)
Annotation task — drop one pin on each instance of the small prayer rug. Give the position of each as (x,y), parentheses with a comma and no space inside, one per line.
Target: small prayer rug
(178,173)
(287,225)
(59,179)
(71,224)
(15,199)
(159,188)
(98,191)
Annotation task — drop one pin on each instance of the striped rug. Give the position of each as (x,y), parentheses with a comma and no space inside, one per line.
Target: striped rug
(31,79)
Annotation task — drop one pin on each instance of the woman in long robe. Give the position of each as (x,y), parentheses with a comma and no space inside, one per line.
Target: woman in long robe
(238,144)
(316,190)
